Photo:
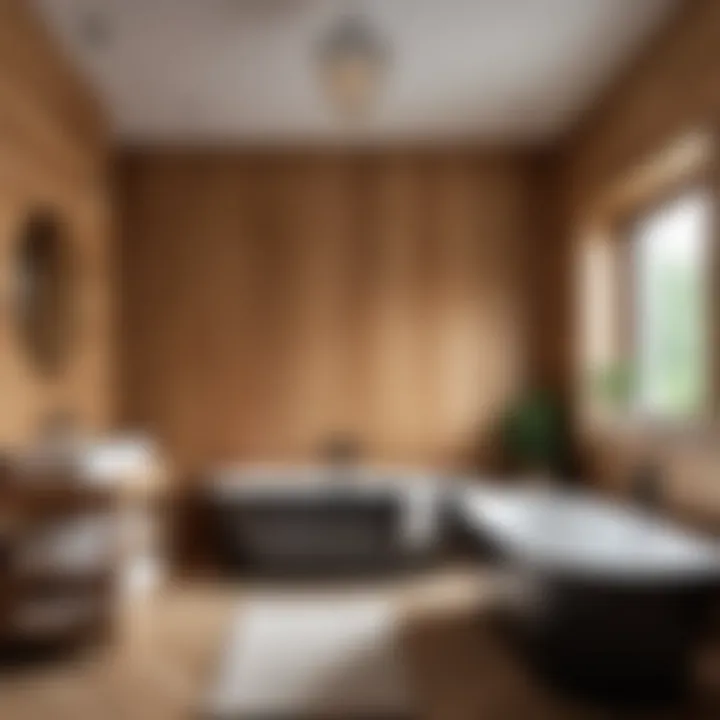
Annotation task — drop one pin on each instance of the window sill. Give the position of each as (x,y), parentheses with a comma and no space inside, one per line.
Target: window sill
(700,431)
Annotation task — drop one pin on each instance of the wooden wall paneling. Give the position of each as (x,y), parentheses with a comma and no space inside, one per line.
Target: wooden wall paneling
(362,302)
(331,225)
(275,301)
(398,393)
(671,90)
(430,288)
(382,307)
(499,297)
(53,154)
(50,118)
(458,307)
(670,93)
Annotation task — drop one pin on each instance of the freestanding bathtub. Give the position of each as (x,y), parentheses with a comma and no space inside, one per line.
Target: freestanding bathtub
(610,601)
(284,519)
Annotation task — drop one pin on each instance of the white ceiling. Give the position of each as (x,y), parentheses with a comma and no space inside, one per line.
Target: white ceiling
(244,70)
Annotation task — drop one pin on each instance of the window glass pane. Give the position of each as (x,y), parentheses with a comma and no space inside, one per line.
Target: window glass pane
(671,322)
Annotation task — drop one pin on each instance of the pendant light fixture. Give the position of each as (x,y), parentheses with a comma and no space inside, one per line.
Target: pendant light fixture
(353,61)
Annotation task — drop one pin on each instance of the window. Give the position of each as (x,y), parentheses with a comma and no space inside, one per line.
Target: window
(669,287)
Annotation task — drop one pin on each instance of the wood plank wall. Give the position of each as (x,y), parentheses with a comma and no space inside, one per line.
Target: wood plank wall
(671,90)
(272,301)
(53,154)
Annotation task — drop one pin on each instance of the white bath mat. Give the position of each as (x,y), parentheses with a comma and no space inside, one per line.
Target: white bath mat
(312,658)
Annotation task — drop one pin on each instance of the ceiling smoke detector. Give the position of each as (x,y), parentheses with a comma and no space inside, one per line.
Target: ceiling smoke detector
(353,60)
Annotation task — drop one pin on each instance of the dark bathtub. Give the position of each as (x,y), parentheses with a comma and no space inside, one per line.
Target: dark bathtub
(609,602)
(313,520)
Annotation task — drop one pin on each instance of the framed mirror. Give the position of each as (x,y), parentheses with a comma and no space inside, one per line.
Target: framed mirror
(43,292)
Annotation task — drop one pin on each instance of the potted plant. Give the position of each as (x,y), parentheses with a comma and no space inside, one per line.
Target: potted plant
(536,435)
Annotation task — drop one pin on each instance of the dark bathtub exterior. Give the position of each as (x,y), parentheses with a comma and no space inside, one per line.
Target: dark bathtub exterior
(615,607)
(318,524)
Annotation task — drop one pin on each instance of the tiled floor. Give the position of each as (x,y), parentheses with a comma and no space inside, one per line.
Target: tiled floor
(164,658)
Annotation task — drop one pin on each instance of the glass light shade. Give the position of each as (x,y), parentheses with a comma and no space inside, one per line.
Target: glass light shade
(352,66)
